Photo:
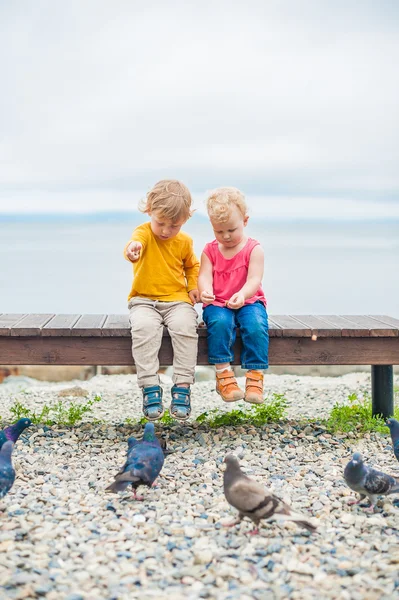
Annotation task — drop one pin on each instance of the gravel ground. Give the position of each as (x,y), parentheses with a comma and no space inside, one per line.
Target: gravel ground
(63,537)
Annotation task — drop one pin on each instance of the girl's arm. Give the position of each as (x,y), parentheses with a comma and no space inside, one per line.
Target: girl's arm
(205,280)
(254,279)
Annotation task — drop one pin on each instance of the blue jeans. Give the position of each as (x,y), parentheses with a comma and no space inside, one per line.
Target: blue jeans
(253,323)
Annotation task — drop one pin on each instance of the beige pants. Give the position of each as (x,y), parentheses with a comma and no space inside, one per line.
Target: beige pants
(147,320)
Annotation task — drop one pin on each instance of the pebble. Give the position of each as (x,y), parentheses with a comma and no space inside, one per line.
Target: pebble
(62,536)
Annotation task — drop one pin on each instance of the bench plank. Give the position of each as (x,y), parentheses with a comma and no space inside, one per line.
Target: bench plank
(31,325)
(116,325)
(7,321)
(291,327)
(375,328)
(319,327)
(89,325)
(60,325)
(274,329)
(393,323)
(348,327)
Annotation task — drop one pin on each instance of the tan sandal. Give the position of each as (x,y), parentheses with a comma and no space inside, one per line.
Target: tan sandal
(254,387)
(227,387)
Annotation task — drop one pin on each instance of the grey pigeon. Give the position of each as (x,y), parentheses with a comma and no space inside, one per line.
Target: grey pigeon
(12,432)
(7,473)
(367,481)
(252,500)
(144,462)
(393,425)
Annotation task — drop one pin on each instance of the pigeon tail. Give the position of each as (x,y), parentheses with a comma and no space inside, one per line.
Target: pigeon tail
(284,512)
(305,524)
(122,482)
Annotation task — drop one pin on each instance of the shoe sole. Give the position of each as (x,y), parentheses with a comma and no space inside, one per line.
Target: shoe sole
(156,418)
(228,400)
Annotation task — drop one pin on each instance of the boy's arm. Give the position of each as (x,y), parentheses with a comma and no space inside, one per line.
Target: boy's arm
(132,251)
(254,279)
(205,280)
(135,246)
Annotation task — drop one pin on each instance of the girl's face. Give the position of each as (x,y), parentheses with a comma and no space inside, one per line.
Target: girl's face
(231,232)
(165,229)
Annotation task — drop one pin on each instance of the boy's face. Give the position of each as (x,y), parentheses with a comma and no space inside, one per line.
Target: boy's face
(165,229)
(231,232)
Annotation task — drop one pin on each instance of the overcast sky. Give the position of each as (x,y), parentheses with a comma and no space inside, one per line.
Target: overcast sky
(294,101)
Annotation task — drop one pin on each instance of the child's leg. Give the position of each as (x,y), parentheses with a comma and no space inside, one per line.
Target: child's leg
(146,326)
(253,322)
(181,320)
(146,329)
(221,326)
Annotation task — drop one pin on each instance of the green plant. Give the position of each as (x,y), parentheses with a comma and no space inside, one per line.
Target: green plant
(56,414)
(272,410)
(356,415)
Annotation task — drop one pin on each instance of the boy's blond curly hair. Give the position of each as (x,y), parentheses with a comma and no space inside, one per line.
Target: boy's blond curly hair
(221,200)
(170,198)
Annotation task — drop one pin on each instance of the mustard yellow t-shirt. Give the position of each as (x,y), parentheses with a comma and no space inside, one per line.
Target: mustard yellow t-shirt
(166,270)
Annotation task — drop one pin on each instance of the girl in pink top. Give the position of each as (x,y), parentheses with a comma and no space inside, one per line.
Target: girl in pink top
(229,283)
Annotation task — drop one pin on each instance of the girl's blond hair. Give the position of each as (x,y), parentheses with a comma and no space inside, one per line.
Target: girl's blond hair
(170,198)
(221,200)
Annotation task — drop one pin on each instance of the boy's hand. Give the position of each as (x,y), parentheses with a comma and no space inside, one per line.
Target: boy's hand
(236,301)
(133,251)
(207,297)
(194,296)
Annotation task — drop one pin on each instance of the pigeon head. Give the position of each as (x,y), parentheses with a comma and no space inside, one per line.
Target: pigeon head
(14,431)
(357,459)
(149,433)
(231,462)
(393,425)
(6,449)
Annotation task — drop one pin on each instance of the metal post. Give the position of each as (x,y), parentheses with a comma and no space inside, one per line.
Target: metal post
(382,390)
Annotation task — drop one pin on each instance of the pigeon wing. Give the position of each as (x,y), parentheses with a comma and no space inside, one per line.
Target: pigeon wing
(145,462)
(245,494)
(377,482)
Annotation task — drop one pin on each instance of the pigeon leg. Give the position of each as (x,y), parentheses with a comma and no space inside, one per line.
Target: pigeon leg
(353,502)
(136,497)
(235,522)
(254,531)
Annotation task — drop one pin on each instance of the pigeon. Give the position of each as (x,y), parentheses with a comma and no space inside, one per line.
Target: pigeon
(393,425)
(7,473)
(368,481)
(12,432)
(252,500)
(144,462)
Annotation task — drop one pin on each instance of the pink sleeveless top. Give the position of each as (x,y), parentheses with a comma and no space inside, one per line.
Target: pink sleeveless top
(230,274)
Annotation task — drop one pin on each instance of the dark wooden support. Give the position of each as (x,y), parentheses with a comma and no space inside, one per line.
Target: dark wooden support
(382,390)
(116,350)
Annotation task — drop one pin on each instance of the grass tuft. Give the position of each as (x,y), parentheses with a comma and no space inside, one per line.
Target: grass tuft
(59,413)
(272,410)
(356,416)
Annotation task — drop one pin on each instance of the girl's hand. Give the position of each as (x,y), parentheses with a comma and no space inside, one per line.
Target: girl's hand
(194,296)
(236,301)
(207,297)
(133,251)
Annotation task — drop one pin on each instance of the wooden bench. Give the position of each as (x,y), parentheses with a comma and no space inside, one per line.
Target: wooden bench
(47,339)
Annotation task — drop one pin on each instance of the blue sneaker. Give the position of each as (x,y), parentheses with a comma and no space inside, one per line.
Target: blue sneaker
(152,402)
(180,407)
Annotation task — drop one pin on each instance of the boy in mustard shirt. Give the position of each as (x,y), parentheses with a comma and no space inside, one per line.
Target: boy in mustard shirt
(164,289)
